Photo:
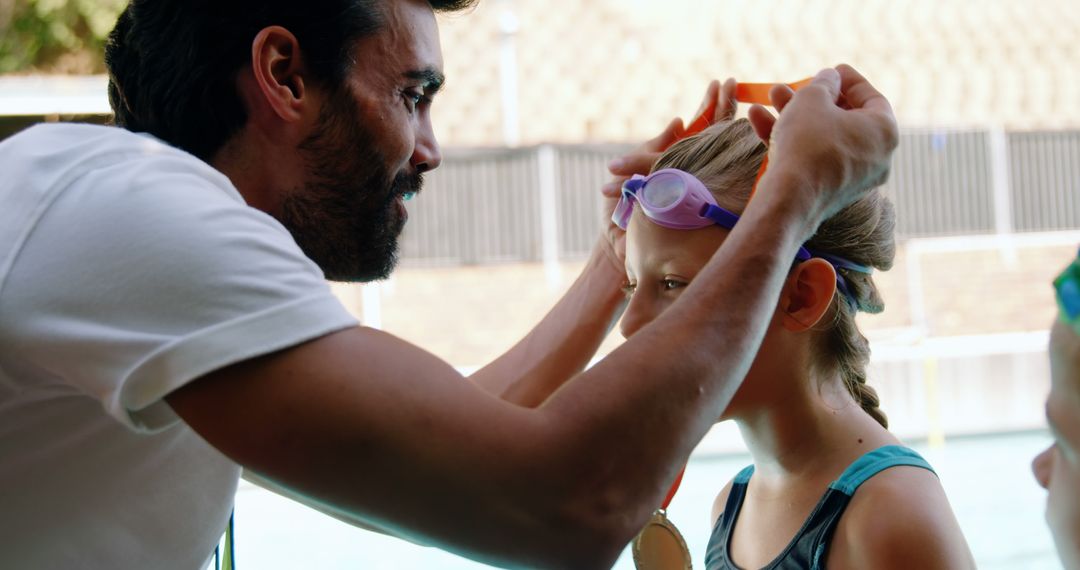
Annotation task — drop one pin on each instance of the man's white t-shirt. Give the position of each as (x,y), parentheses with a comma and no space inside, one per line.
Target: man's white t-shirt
(127,269)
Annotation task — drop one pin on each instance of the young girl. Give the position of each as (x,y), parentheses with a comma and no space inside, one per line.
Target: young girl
(830,487)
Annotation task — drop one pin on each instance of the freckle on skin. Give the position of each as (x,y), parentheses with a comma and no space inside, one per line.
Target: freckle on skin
(860,440)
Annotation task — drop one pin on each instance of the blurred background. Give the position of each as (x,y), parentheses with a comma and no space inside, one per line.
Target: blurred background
(541,94)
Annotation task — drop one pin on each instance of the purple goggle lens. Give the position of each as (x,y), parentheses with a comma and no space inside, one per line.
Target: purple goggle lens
(669,197)
(676,199)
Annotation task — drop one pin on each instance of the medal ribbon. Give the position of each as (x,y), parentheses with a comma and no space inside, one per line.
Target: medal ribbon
(744,93)
(673,490)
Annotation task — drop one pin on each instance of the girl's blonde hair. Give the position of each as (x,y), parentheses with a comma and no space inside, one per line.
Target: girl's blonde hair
(726,158)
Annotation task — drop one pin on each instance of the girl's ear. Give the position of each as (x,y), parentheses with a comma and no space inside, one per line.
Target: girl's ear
(808,294)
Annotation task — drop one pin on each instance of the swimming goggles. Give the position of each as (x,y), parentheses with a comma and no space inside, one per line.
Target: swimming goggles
(1067,286)
(676,199)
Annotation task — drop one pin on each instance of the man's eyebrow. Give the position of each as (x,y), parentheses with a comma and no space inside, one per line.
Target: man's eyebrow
(432,78)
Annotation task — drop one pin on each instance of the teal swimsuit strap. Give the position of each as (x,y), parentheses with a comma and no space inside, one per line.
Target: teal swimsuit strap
(744,476)
(810,545)
(874,462)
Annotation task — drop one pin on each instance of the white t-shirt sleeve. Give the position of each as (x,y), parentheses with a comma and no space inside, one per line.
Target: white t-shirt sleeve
(145,275)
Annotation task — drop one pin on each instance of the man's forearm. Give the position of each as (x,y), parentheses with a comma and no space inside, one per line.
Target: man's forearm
(562,344)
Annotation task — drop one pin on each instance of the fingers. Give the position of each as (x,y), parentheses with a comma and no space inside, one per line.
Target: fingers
(612,189)
(780,95)
(725,111)
(858,92)
(712,92)
(670,134)
(827,83)
(636,162)
(762,121)
(641,159)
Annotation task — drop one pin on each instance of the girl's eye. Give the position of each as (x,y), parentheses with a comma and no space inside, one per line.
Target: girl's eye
(628,289)
(671,284)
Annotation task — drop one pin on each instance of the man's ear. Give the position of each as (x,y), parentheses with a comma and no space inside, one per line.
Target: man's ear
(279,72)
(808,294)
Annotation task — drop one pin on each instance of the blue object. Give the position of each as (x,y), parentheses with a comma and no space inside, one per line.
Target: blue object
(1067,286)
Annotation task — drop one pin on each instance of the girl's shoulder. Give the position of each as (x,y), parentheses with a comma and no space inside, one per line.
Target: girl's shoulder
(899,518)
(720,503)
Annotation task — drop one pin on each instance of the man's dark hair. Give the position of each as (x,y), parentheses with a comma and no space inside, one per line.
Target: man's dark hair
(173,63)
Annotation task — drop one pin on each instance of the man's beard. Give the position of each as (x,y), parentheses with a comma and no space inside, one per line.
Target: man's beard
(346,217)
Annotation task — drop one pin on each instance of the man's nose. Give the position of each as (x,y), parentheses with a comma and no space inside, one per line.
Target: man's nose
(426,155)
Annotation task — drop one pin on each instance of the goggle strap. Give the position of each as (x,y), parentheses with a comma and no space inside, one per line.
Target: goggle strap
(848,296)
(633,184)
(841,263)
(726,219)
(620,216)
(719,216)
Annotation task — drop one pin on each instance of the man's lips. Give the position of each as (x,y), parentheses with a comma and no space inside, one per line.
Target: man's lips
(403,212)
(406,187)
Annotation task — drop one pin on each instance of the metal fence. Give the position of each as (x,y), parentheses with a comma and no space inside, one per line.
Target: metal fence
(1045,180)
(543,203)
(499,205)
(941,183)
(479,207)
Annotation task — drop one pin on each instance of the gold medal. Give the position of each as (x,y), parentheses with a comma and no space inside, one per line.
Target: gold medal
(660,546)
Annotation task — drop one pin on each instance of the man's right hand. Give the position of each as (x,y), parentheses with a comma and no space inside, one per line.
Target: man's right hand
(835,137)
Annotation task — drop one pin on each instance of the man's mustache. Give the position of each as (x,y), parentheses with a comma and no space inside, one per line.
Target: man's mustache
(407,183)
